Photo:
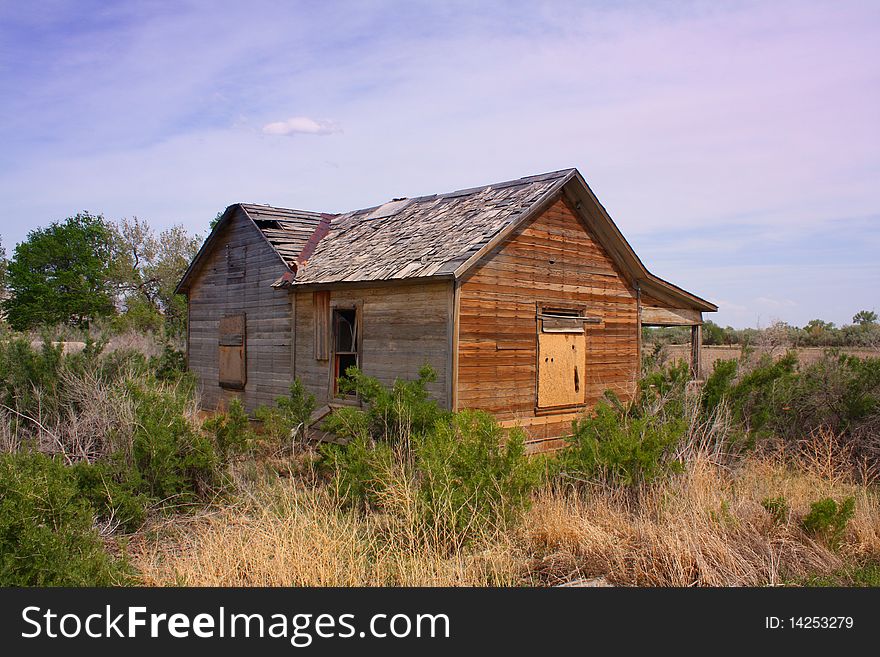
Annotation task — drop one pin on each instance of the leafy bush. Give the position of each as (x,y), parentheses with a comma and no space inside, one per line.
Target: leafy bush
(838,392)
(46,532)
(171,460)
(828,520)
(107,487)
(399,412)
(360,470)
(290,416)
(472,476)
(466,475)
(25,372)
(759,397)
(718,383)
(231,431)
(623,447)
(777,507)
(171,365)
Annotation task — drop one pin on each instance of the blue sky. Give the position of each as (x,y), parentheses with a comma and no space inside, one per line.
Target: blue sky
(737,145)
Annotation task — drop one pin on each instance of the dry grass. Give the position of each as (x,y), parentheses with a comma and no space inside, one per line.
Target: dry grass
(705,527)
(285,535)
(711,353)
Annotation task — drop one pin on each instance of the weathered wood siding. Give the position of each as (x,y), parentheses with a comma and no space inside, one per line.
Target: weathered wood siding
(217,292)
(553,259)
(403,326)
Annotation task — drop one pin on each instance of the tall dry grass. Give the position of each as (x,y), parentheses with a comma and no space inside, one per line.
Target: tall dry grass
(703,527)
(283,534)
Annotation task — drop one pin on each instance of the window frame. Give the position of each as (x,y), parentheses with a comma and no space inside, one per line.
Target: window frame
(228,341)
(556,312)
(357,307)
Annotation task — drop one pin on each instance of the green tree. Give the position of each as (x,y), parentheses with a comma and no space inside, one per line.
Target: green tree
(864,317)
(147,267)
(818,326)
(712,333)
(59,274)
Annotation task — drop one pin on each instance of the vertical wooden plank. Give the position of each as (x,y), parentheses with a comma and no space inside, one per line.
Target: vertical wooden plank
(321,302)
(450,345)
(696,351)
(292,329)
(638,288)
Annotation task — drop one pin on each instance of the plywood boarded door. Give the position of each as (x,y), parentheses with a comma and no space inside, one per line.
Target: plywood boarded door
(233,352)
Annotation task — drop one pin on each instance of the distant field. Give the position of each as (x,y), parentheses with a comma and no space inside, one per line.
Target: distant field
(713,353)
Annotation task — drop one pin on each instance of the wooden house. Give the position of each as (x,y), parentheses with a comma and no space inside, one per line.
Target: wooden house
(523,296)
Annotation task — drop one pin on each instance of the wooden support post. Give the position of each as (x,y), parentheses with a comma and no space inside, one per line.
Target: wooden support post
(696,349)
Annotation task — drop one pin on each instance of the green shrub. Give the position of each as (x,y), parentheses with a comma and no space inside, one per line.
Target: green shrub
(467,474)
(777,507)
(349,423)
(760,397)
(360,470)
(107,487)
(231,431)
(472,475)
(718,384)
(661,393)
(290,416)
(399,412)
(25,372)
(623,448)
(46,533)
(828,520)
(171,460)
(139,315)
(170,366)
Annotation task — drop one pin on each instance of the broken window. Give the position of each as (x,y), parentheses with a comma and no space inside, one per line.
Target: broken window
(561,357)
(233,352)
(345,343)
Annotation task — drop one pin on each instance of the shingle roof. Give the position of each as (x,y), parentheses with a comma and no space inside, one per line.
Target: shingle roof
(410,238)
(288,231)
(429,235)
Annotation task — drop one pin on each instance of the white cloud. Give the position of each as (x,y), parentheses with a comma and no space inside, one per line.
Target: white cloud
(302,125)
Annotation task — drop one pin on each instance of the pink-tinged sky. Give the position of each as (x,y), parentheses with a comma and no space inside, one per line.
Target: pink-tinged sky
(737,145)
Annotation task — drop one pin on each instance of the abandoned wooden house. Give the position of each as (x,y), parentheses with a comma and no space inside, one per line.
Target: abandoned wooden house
(523,296)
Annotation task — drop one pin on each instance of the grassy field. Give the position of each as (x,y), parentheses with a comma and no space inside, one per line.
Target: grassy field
(712,353)
(705,527)
(766,475)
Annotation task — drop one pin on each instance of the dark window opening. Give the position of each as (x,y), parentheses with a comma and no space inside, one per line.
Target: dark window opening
(345,344)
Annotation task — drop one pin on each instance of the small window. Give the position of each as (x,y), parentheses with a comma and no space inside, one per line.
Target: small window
(345,343)
(561,321)
(232,347)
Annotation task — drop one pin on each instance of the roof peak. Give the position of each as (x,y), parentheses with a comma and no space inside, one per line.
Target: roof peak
(513,182)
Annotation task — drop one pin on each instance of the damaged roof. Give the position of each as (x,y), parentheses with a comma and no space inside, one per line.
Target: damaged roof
(437,235)
(424,236)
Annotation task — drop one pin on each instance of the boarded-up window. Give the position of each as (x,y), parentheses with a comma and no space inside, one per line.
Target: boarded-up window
(233,352)
(321,306)
(561,358)
(236,261)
